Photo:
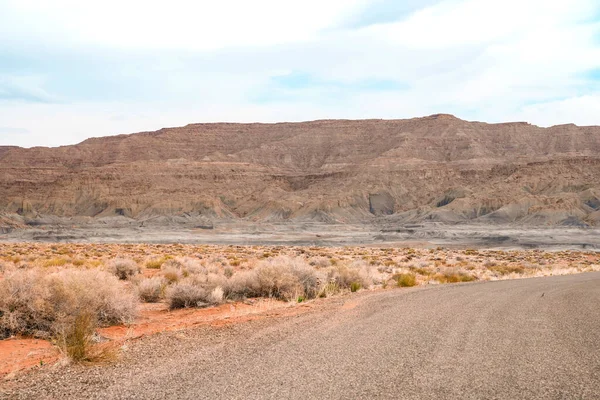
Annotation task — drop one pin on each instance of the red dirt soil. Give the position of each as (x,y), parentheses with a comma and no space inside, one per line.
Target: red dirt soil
(18,354)
(157,318)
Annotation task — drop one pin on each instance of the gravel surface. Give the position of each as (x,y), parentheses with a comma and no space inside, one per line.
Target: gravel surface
(527,339)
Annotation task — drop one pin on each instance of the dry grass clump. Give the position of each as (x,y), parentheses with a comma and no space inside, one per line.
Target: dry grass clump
(55,262)
(4,267)
(157,262)
(329,289)
(15,259)
(507,269)
(76,340)
(78,262)
(405,279)
(454,277)
(65,305)
(151,290)
(424,271)
(123,268)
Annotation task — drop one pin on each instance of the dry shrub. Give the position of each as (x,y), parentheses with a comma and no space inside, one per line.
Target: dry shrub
(242,284)
(217,295)
(193,285)
(186,265)
(123,268)
(320,262)
(24,304)
(281,277)
(175,269)
(278,281)
(171,274)
(191,266)
(306,276)
(33,303)
(95,291)
(213,280)
(191,292)
(351,276)
(185,295)
(151,290)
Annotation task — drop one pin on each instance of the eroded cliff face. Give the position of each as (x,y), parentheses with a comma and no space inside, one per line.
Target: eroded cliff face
(436,168)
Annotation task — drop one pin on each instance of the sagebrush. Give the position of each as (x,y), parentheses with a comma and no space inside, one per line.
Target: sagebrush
(38,304)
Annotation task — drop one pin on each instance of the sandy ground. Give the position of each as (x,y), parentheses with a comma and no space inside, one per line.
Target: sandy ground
(528,339)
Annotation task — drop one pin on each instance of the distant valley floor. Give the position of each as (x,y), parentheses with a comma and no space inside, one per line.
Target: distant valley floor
(317,234)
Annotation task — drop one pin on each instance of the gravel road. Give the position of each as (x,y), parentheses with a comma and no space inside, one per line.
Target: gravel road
(522,339)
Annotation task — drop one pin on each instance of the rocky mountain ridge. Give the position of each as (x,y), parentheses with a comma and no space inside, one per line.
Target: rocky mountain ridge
(436,168)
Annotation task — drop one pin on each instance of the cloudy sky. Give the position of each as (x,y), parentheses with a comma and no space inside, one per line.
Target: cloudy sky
(72,69)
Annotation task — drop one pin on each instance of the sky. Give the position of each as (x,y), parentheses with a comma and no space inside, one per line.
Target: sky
(72,69)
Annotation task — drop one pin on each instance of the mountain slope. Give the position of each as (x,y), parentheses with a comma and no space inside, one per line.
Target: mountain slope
(436,168)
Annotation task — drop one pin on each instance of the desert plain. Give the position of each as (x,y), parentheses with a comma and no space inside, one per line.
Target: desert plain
(432,257)
(253,281)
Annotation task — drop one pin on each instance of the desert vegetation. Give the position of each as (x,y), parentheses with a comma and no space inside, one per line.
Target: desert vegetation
(64,292)
(65,306)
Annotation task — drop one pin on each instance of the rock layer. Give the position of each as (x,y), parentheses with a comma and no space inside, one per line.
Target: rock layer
(436,168)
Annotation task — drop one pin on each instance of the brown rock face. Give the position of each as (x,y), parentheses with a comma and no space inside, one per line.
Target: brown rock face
(436,168)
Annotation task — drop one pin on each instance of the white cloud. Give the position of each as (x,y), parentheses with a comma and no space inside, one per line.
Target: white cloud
(457,23)
(60,124)
(584,110)
(177,24)
(149,65)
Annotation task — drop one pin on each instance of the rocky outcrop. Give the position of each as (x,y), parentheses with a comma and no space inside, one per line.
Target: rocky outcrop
(437,168)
